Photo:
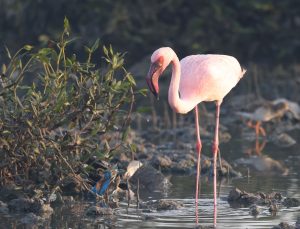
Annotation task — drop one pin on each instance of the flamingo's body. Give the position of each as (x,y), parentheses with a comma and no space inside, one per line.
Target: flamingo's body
(195,79)
(207,78)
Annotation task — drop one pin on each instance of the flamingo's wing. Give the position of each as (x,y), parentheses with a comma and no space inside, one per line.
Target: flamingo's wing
(208,77)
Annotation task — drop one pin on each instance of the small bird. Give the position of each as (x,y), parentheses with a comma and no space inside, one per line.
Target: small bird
(267,112)
(195,79)
(102,185)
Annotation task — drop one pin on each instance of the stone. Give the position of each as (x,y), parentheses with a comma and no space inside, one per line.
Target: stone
(163,162)
(163,205)
(25,205)
(234,194)
(3,208)
(33,205)
(71,184)
(254,210)
(241,198)
(283,225)
(150,179)
(94,211)
(291,202)
(31,218)
(283,140)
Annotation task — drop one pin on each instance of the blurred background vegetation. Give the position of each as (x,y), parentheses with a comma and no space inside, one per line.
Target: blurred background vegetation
(263,35)
(257,31)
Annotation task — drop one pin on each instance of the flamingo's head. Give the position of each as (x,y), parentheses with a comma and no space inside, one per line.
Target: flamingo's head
(160,59)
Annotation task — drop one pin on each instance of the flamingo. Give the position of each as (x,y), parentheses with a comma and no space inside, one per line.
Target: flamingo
(195,79)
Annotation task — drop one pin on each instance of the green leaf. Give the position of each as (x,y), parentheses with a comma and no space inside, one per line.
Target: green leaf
(105,51)
(4,68)
(95,45)
(133,147)
(111,50)
(125,134)
(71,40)
(131,79)
(67,28)
(8,52)
(28,47)
(29,123)
(87,49)
(143,91)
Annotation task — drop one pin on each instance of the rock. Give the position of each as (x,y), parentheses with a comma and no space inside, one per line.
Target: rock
(249,198)
(71,184)
(234,194)
(10,192)
(94,211)
(148,217)
(283,225)
(184,166)
(163,205)
(224,137)
(227,170)
(31,218)
(275,196)
(3,208)
(298,223)
(283,140)
(150,179)
(254,210)
(25,205)
(160,205)
(291,202)
(163,162)
(241,198)
(34,205)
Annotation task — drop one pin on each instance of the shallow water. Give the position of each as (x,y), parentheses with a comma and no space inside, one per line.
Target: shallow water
(183,190)
(228,217)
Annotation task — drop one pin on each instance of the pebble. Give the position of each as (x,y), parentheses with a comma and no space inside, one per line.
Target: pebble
(163,205)
(291,202)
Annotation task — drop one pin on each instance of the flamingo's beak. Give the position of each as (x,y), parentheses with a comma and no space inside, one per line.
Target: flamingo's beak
(152,78)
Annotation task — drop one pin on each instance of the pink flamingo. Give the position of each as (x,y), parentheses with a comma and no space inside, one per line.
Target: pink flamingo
(195,79)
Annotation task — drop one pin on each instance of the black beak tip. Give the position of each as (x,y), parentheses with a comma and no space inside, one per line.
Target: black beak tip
(156,95)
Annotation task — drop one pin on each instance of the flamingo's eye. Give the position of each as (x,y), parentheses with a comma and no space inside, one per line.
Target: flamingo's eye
(160,61)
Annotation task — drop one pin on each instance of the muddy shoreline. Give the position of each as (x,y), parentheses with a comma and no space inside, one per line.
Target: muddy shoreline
(161,152)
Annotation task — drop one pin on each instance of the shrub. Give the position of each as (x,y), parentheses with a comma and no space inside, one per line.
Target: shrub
(56,111)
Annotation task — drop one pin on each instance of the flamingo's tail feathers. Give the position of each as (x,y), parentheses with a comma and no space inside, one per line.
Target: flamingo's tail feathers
(243,72)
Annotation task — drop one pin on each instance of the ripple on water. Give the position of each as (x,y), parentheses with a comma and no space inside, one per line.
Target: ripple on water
(185,217)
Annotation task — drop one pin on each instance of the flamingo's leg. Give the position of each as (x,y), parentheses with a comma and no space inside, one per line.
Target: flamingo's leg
(215,152)
(198,148)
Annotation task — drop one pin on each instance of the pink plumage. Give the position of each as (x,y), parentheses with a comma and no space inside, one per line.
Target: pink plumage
(195,79)
(208,77)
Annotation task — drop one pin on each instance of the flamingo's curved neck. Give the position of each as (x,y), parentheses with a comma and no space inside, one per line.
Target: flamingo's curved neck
(177,104)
